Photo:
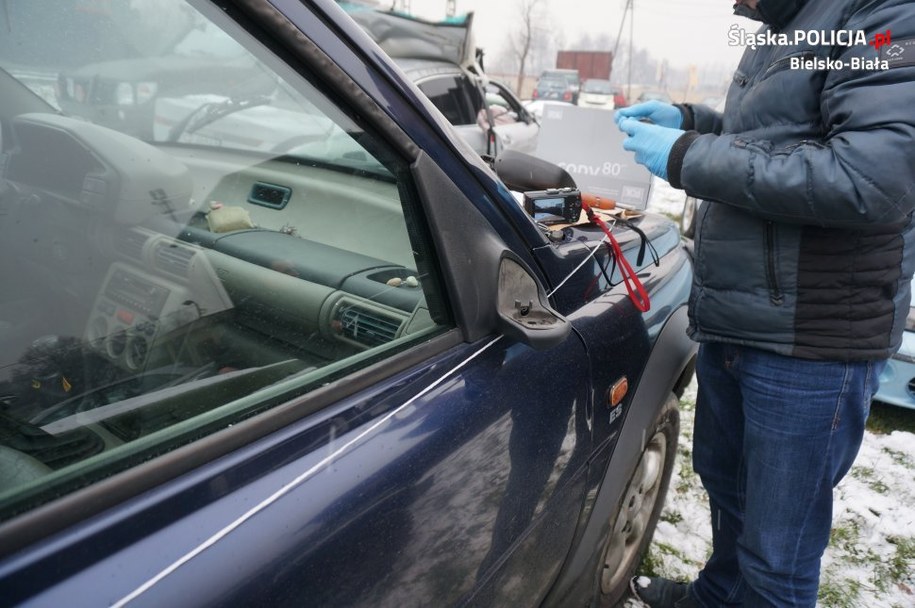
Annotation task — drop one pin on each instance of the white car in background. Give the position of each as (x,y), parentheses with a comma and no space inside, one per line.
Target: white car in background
(897,382)
(437,57)
(441,59)
(597,93)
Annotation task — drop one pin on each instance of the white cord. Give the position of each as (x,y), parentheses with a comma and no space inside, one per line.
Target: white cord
(289,486)
(583,262)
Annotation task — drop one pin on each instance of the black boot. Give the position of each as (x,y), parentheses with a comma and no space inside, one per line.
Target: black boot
(662,593)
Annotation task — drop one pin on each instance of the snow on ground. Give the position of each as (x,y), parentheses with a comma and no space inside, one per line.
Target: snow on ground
(871,559)
(870,562)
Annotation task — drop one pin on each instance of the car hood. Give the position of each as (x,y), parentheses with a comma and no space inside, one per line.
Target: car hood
(402,36)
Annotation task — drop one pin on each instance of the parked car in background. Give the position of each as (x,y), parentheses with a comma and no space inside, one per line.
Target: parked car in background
(484,112)
(553,89)
(596,93)
(654,95)
(571,78)
(897,382)
(688,216)
(350,371)
(619,98)
(440,58)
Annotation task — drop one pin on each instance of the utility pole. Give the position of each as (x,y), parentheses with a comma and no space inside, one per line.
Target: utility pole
(631,36)
(628,10)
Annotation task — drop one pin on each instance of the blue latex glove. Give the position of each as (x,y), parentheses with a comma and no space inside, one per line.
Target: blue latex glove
(651,144)
(658,112)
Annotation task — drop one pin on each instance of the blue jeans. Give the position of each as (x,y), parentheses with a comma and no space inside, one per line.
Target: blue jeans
(773,436)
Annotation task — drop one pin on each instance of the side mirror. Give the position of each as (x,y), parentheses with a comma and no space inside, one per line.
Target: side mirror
(523,311)
(522,172)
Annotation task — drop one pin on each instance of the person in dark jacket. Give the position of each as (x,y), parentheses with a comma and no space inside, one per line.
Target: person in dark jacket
(804,250)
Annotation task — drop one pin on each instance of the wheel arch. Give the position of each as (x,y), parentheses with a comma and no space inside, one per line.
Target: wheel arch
(672,358)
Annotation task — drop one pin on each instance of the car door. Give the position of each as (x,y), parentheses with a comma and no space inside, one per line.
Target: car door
(514,127)
(454,95)
(252,365)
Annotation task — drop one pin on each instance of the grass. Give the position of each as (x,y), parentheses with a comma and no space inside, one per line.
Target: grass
(871,478)
(900,458)
(839,593)
(903,561)
(882,573)
(885,419)
(671,517)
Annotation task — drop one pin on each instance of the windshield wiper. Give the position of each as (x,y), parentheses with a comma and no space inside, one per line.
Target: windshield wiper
(212,111)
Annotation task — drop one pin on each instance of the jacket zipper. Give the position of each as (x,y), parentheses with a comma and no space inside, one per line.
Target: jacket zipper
(785,62)
(775,293)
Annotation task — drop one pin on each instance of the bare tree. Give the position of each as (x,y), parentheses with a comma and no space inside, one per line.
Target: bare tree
(522,43)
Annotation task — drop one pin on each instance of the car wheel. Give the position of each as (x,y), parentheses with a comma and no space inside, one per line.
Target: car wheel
(637,514)
(688,217)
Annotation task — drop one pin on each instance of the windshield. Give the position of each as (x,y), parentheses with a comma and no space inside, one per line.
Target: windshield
(569,76)
(597,86)
(552,83)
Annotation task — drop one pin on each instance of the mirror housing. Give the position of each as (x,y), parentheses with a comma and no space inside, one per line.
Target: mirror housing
(522,172)
(523,310)
(497,291)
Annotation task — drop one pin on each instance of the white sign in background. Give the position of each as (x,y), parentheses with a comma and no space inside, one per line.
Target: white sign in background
(587,143)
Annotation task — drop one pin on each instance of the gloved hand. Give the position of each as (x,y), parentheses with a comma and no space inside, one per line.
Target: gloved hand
(658,112)
(651,144)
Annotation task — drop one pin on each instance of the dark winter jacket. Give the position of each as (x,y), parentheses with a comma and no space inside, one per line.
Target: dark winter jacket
(806,243)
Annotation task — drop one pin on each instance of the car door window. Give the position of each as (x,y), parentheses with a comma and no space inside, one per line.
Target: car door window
(197,235)
(512,125)
(498,95)
(450,95)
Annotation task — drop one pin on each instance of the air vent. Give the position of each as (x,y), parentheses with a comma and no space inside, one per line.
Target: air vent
(130,244)
(173,258)
(367,326)
(269,195)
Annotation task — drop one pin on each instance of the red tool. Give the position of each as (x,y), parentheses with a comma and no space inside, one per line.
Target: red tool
(634,287)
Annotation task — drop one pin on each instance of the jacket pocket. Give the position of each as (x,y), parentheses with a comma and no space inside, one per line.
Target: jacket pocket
(741,79)
(775,292)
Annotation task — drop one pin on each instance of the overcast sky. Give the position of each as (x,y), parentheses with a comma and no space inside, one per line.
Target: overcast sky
(682,31)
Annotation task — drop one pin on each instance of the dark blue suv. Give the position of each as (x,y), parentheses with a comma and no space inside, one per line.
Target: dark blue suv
(293,343)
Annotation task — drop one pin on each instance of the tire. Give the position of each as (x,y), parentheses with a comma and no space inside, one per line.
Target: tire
(688,217)
(633,524)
